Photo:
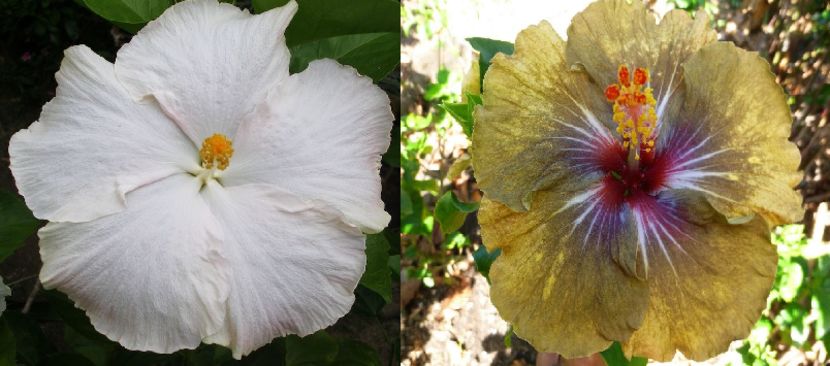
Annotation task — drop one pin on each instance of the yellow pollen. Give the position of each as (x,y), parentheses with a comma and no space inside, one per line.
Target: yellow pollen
(216,152)
(633,109)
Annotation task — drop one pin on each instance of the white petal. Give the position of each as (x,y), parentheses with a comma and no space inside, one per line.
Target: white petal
(93,144)
(208,64)
(295,266)
(4,291)
(150,277)
(320,135)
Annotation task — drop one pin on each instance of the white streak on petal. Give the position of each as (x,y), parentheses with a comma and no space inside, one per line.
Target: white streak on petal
(699,159)
(663,97)
(582,131)
(149,277)
(578,199)
(642,237)
(592,121)
(592,205)
(661,245)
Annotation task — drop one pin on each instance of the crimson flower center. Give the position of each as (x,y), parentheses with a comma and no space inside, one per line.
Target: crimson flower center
(631,165)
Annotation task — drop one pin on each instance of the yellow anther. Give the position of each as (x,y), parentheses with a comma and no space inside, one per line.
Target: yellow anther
(216,152)
(633,109)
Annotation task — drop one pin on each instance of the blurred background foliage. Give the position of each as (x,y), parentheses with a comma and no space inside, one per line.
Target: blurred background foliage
(44,327)
(444,263)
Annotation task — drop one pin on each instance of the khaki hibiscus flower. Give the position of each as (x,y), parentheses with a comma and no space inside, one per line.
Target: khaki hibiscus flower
(631,177)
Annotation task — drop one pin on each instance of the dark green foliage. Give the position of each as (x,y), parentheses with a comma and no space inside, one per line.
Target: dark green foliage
(377,276)
(16,223)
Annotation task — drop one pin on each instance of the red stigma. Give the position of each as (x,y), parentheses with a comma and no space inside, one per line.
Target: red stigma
(612,92)
(624,76)
(640,76)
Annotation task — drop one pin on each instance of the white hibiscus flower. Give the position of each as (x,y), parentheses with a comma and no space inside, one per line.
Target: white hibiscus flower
(198,192)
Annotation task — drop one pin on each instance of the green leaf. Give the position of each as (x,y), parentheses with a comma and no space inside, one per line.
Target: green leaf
(130,12)
(441,88)
(487,49)
(406,204)
(32,343)
(429,185)
(395,264)
(319,19)
(792,276)
(124,357)
(508,338)
(312,350)
(821,296)
(273,354)
(377,277)
(372,54)
(451,213)
(614,356)
(455,240)
(72,316)
(16,223)
(367,301)
(355,353)
(392,156)
(7,344)
(462,113)
(94,351)
(66,359)
(364,34)
(484,260)
(265,5)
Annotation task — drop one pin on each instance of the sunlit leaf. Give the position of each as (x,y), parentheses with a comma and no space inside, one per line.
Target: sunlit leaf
(821,296)
(439,89)
(487,48)
(484,260)
(451,213)
(792,276)
(614,356)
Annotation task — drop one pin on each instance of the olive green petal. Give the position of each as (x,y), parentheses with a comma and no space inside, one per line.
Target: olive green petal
(560,295)
(732,95)
(530,99)
(609,33)
(723,275)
